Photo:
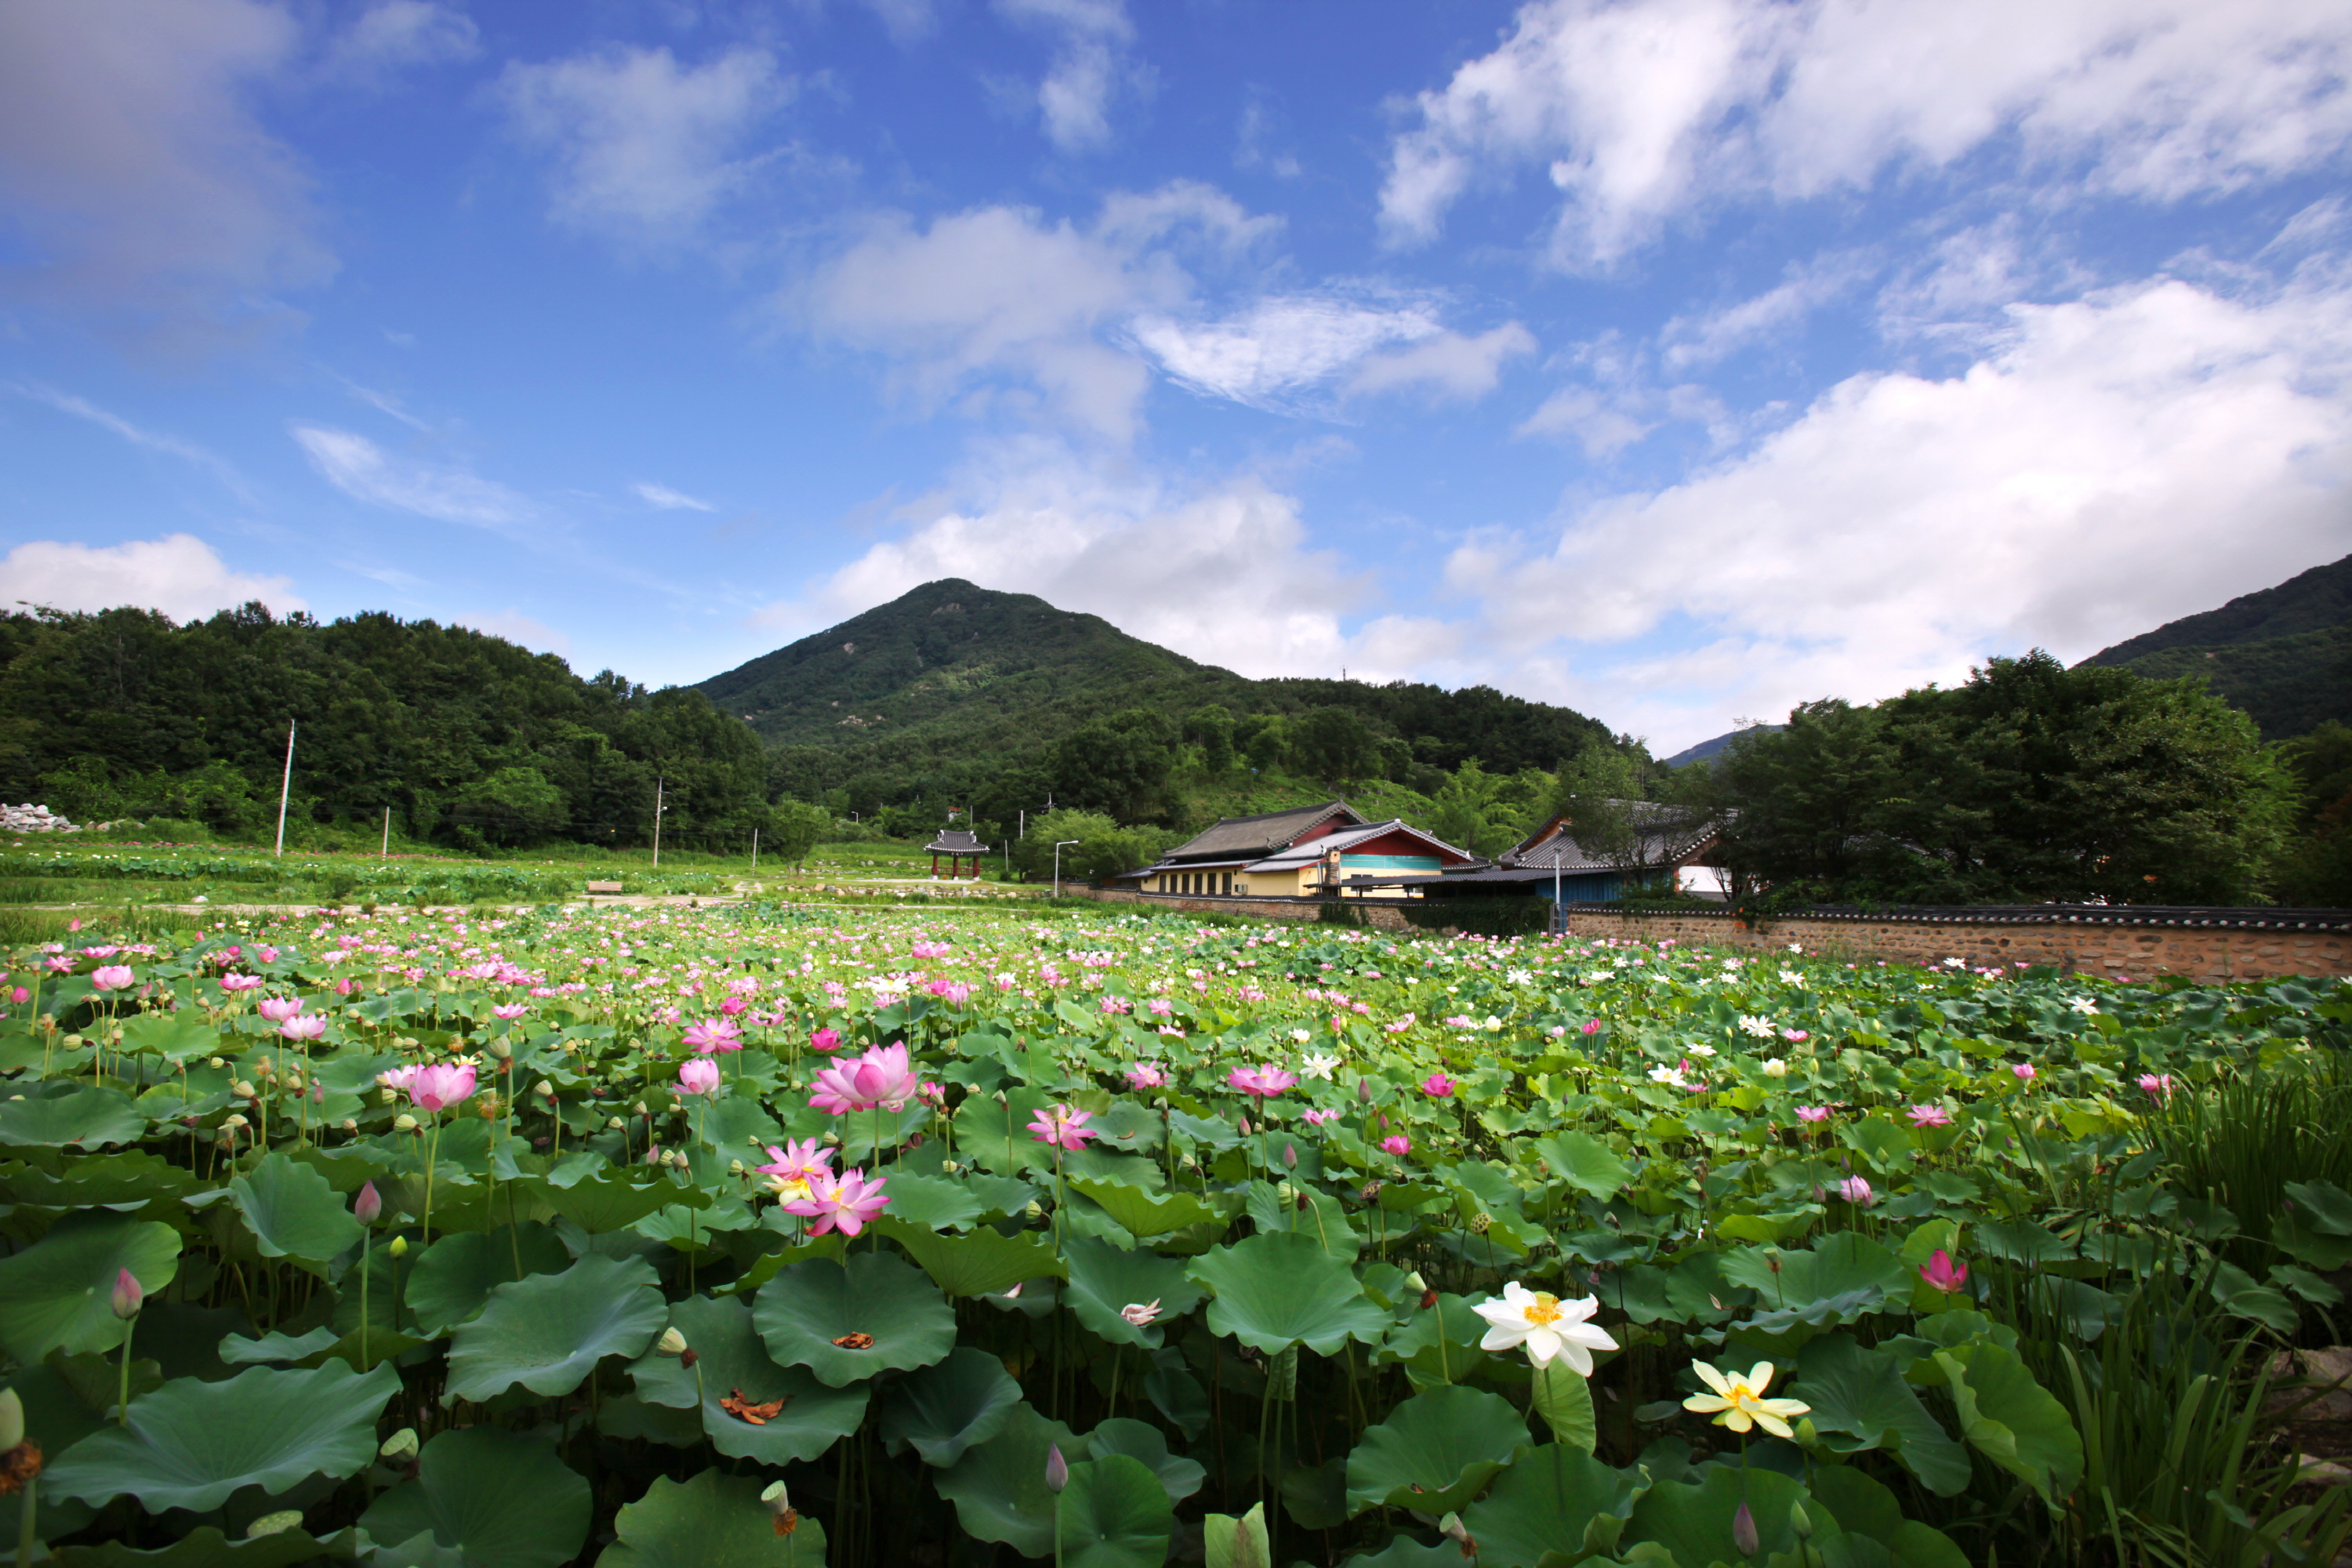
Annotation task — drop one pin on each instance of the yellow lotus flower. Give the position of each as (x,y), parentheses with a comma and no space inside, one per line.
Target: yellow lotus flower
(1739,1404)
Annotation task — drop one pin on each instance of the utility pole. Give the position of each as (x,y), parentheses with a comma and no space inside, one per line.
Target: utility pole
(385,853)
(658,813)
(755,852)
(1057,865)
(284,787)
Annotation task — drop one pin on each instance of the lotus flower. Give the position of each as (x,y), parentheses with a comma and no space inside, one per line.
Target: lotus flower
(1062,1126)
(1437,1085)
(1397,1143)
(1942,1274)
(1320,1117)
(112,977)
(1739,1404)
(1141,1314)
(1546,1325)
(879,1077)
(700,1076)
(1813,1113)
(2024,1071)
(825,1040)
(509,1010)
(1263,1082)
(278,1009)
(714,1034)
(797,1166)
(303,1027)
(1856,1191)
(440,1087)
(842,1203)
(1144,1075)
(1592,1026)
(129,1296)
(232,984)
(1930,1116)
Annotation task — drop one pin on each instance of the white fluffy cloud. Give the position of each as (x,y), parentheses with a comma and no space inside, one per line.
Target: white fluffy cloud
(644,148)
(529,631)
(1283,345)
(179,575)
(365,471)
(1090,38)
(392,33)
(1223,573)
(1639,110)
(2112,463)
(134,174)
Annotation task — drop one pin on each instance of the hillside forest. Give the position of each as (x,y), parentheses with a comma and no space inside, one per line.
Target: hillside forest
(2027,782)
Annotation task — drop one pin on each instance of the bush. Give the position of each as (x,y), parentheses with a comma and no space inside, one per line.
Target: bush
(1482,917)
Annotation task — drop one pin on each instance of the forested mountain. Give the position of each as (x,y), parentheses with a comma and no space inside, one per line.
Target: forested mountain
(466,737)
(2284,655)
(957,693)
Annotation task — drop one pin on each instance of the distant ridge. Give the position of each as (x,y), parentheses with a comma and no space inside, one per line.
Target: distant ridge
(2283,654)
(1707,751)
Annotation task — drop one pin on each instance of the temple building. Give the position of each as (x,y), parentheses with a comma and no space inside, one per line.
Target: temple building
(1306,852)
(958,846)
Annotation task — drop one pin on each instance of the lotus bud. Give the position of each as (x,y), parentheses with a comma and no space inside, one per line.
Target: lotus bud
(1743,1538)
(1453,1529)
(1364,1090)
(128,1297)
(401,1444)
(1290,1156)
(1034,1210)
(216,1062)
(403,1122)
(1057,1470)
(387,1095)
(399,1248)
(1799,1520)
(12,1421)
(734,1167)
(1417,1282)
(671,1343)
(277,1523)
(1243,1123)
(368,1204)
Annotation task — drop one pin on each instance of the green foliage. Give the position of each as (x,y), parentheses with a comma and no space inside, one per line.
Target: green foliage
(496,1499)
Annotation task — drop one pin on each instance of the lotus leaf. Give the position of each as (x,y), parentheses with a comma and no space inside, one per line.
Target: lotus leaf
(1564,1399)
(1863,1394)
(191,1444)
(236,1350)
(1276,1291)
(452,1280)
(713,1520)
(2012,1420)
(1104,1282)
(948,1406)
(129,1178)
(1114,1514)
(56,1294)
(1693,1520)
(981,1264)
(549,1331)
(498,1499)
(293,1213)
(998,1486)
(59,1115)
(1553,1499)
(205,1547)
(1232,1543)
(935,1202)
(1434,1452)
(733,1364)
(1863,1507)
(1141,1215)
(1141,1440)
(806,1310)
(612,1200)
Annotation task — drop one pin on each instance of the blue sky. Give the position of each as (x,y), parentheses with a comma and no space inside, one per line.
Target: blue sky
(1678,360)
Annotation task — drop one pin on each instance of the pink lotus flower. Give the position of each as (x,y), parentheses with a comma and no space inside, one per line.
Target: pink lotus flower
(1062,1126)
(439,1087)
(307,1027)
(129,1296)
(1144,1075)
(1265,1082)
(825,1040)
(1437,1085)
(1400,1025)
(1141,1314)
(1855,1191)
(879,1077)
(1930,1116)
(1321,1118)
(1943,1274)
(1397,1143)
(1813,1113)
(112,977)
(714,1034)
(2024,1071)
(954,992)
(232,984)
(400,1078)
(796,1166)
(278,1009)
(930,949)
(510,1010)
(733,1006)
(700,1076)
(2157,1086)
(1592,1026)
(842,1203)
(1792,1035)
(64,965)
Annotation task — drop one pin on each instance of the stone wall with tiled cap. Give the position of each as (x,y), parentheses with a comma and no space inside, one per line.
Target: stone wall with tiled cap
(2209,945)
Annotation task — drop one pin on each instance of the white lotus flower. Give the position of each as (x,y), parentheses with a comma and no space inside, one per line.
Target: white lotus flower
(1317,1064)
(1775,1068)
(1546,1325)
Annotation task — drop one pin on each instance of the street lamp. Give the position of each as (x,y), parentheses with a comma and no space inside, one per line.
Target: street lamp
(1057,865)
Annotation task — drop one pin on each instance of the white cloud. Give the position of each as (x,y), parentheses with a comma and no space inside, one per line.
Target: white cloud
(1641,110)
(1223,573)
(1448,363)
(134,175)
(1600,422)
(365,471)
(905,20)
(1283,344)
(2112,463)
(516,627)
(1089,64)
(645,149)
(998,293)
(668,500)
(1719,335)
(179,575)
(392,33)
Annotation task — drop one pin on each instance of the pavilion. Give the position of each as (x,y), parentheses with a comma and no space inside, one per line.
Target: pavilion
(958,846)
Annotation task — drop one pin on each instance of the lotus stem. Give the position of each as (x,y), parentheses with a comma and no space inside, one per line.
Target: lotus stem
(28,1540)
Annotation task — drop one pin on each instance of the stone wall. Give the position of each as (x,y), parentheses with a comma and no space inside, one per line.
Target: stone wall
(2223,945)
(2206,945)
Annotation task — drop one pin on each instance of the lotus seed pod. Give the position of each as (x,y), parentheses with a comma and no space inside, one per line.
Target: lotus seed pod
(1034,1210)
(500,1049)
(672,1342)
(778,1499)
(231,1123)
(401,1444)
(403,1122)
(216,1062)
(386,1095)
(638,1108)
(243,1088)
(399,1248)
(544,1089)
(12,1420)
(734,1167)
(614,1123)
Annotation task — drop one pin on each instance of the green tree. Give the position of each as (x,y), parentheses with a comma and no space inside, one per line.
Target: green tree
(1264,740)
(1116,765)
(794,828)
(513,806)
(1469,813)
(1211,728)
(1333,743)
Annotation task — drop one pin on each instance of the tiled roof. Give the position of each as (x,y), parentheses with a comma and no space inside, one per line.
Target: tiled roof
(1256,836)
(956,841)
(1670,833)
(1315,849)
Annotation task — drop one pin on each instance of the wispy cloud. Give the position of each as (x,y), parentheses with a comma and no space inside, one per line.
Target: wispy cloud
(150,440)
(668,500)
(365,471)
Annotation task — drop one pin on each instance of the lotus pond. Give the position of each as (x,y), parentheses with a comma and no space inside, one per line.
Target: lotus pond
(766,1236)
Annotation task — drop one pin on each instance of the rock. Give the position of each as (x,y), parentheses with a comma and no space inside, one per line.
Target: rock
(31,819)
